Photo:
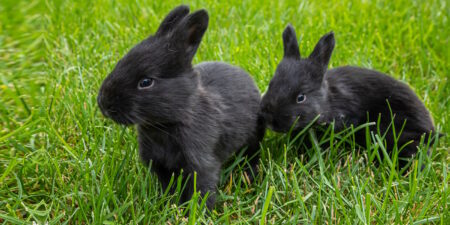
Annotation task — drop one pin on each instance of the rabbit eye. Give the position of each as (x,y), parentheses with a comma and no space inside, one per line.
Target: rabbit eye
(145,83)
(301,98)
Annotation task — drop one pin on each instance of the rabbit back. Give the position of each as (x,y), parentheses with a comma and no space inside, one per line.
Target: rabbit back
(358,93)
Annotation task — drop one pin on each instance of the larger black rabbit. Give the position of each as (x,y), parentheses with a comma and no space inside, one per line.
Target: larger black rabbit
(303,88)
(188,118)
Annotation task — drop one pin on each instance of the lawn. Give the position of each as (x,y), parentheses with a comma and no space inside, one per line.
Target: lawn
(61,161)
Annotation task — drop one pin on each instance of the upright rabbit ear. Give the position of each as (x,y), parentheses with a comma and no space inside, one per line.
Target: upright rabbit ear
(290,43)
(172,19)
(190,31)
(322,52)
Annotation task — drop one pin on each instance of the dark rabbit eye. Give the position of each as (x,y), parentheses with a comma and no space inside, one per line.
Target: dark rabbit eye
(301,98)
(145,83)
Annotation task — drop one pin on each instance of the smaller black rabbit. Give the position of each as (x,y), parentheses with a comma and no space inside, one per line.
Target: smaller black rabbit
(303,88)
(188,118)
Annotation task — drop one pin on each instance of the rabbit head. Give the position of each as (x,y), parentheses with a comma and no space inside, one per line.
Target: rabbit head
(154,81)
(298,88)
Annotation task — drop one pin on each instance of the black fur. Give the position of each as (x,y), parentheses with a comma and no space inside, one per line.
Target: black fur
(191,118)
(344,95)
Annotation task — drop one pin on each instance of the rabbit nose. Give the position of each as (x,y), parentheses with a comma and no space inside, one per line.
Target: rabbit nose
(267,115)
(267,109)
(102,106)
(106,107)
(99,100)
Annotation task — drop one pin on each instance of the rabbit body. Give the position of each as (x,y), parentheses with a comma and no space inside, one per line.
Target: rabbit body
(189,118)
(304,88)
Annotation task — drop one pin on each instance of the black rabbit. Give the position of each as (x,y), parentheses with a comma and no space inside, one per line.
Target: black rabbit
(304,88)
(188,118)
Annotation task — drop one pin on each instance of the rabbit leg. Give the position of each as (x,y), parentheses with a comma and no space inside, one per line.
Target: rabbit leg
(252,151)
(253,159)
(410,149)
(206,182)
(164,175)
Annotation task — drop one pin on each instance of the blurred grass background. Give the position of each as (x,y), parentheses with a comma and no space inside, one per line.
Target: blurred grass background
(62,162)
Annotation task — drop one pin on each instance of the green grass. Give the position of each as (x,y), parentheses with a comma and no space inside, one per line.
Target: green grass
(61,161)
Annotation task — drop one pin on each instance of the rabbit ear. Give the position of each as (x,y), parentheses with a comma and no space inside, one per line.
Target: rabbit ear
(190,31)
(322,52)
(290,43)
(172,19)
